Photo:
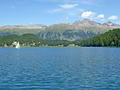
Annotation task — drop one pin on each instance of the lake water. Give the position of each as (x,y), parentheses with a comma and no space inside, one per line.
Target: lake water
(60,68)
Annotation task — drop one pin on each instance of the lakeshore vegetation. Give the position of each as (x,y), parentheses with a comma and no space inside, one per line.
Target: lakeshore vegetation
(108,39)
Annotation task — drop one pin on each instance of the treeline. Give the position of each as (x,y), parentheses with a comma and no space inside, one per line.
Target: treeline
(30,40)
(110,38)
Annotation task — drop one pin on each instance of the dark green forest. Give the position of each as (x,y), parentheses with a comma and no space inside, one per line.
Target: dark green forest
(110,38)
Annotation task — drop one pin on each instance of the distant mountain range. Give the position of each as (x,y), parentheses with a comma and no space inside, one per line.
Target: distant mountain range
(78,30)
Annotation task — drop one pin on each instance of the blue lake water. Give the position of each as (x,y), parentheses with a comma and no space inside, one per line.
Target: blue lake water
(60,69)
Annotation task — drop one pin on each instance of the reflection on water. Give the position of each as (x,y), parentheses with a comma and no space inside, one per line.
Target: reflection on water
(60,69)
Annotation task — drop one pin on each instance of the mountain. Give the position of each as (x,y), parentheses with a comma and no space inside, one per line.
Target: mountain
(86,22)
(23,29)
(110,24)
(78,30)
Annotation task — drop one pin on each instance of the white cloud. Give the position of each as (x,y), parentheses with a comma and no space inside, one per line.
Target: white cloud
(68,6)
(55,10)
(113,18)
(88,14)
(101,16)
(63,8)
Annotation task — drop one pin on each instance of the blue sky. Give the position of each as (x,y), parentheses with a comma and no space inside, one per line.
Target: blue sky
(21,12)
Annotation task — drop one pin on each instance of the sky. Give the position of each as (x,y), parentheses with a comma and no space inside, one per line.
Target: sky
(24,12)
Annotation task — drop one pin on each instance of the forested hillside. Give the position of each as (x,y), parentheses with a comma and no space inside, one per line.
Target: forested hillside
(110,38)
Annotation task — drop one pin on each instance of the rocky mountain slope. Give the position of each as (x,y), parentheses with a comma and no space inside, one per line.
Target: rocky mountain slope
(77,30)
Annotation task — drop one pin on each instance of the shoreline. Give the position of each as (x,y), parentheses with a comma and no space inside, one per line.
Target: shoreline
(59,46)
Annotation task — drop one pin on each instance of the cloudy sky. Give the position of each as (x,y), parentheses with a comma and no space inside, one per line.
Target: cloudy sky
(20,12)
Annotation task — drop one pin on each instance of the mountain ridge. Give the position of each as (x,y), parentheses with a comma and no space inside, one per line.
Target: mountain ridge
(78,30)
(85,22)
